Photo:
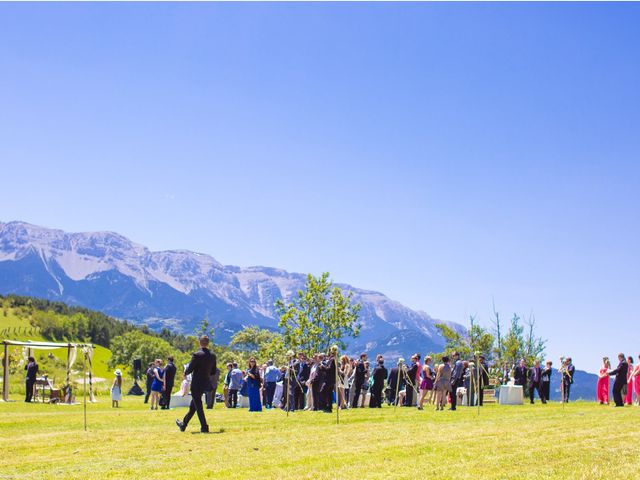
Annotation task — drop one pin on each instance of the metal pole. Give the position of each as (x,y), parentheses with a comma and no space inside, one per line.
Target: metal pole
(478,386)
(288,384)
(395,400)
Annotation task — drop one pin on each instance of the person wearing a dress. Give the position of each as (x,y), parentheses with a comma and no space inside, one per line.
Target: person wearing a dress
(602,390)
(547,371)
(158,384)
(344,372)
(254,383)
(636,379)
(116,389)
(442,383)
(628,400)
(426,385)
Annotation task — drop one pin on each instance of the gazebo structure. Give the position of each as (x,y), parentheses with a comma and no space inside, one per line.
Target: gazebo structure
(72,351)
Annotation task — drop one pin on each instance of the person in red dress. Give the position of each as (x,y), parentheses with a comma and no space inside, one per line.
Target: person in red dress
(628,400)
(636,381)
(602,390)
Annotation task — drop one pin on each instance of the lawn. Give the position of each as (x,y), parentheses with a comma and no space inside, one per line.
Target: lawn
(583,440)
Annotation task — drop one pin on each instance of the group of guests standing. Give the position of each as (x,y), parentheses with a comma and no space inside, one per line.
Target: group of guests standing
(627,377)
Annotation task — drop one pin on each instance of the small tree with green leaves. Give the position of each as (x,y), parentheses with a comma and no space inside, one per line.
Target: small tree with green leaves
(262,343)
(321,315)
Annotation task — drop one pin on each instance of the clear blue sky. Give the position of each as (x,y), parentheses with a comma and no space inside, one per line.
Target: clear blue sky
(444,154)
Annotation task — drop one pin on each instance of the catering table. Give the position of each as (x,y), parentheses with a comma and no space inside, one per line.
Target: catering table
(511,395)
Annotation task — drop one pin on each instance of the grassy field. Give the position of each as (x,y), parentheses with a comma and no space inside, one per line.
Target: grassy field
(533,441)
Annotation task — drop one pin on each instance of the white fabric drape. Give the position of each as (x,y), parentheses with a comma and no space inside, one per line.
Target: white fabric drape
(72,358)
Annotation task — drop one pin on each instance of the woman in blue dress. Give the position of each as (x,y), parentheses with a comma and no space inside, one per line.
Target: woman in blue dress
(158,384)
(253,386)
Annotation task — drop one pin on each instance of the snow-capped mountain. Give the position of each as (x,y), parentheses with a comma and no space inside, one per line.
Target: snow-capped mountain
(108,272)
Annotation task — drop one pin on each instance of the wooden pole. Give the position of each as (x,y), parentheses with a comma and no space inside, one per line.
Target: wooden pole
(84,371)
(5,373)
(335,363)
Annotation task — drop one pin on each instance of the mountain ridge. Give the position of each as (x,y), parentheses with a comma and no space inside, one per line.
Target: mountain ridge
(177,288)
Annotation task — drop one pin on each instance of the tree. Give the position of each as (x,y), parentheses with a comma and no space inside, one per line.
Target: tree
(319,317)
(516,345)
(205,329)
(136,344)
(261,343)
(477,339)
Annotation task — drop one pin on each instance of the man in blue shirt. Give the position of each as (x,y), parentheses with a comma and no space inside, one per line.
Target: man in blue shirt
(236,378)
(271,374)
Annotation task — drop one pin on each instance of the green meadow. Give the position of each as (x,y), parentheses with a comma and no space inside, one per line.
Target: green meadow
(581,440)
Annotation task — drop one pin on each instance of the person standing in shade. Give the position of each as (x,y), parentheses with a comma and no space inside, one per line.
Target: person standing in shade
(547,371)
(379,376)
(456,379)
(271,374)
(620,381)
(567,378)
(201,367)
(32,372)
(169,378)
(253,386)
(535,382)
(358,380)
(602,388)
(149,381)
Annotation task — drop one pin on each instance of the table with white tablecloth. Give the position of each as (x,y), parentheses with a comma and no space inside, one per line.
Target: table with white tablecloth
(511,395)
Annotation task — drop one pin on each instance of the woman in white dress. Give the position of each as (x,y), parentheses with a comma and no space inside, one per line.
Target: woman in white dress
(116,389)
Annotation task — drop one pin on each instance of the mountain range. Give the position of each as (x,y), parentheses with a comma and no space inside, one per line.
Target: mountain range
(108,272)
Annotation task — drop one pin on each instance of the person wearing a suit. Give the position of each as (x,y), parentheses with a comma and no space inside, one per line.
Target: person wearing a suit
(379,376)
(620,381)
(358,380)
(535,382)
(520,374)
(456,379)
(32,372)
(567,378)
(328,368)
(201,367)
(395,382)
(169,378)
(484,378)
(410,377)
(302,370)
(546,380)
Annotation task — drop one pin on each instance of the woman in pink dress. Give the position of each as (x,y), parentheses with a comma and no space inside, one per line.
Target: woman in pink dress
(602,390)
(636,380)
(628,400)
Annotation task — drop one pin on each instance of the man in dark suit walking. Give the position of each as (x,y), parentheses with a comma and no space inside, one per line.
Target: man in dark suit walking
(535,382)
(201,367)
(32,372)
(456,379)
(169,378)
(620,381)
(358,380)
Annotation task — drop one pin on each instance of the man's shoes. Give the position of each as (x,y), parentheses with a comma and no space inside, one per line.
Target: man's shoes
(452,409)
(204,430)
(531,402)
(181,425)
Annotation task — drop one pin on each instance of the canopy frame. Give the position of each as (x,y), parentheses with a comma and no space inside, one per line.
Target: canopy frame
(36,346)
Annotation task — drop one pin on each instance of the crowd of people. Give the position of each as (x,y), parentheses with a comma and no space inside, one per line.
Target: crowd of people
(625,385)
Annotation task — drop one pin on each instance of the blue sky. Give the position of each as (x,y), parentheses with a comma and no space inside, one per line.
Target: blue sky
(444,154)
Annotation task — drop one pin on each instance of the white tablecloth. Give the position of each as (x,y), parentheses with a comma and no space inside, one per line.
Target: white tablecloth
(511,395)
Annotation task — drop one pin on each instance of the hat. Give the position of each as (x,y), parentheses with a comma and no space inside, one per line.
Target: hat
(118,372)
